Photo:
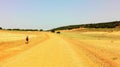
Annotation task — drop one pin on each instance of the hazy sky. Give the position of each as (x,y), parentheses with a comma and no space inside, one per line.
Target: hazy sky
(47,14)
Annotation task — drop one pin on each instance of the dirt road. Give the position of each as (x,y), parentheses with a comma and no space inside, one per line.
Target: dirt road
(57,51)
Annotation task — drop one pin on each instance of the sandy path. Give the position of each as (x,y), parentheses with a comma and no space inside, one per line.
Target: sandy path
(54,52)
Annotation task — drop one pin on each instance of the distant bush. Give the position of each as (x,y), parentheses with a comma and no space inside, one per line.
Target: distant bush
(0,28)
(53,31)
(58,32)
(41,29)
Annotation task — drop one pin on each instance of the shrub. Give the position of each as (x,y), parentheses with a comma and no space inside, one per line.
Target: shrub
(0,28)
(53,31)
(58,32)
(41,29)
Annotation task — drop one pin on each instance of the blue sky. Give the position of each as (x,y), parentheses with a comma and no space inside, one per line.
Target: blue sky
(47,14)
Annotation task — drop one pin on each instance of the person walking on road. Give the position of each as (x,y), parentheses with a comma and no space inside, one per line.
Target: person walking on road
(27,40)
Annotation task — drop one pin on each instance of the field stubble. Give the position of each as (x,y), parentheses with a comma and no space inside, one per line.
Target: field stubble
(100,48)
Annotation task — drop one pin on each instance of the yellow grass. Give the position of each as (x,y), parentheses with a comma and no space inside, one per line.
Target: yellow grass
(69,49)
(102,48)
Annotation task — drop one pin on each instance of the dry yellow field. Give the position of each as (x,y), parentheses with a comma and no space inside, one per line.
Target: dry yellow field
(69,49)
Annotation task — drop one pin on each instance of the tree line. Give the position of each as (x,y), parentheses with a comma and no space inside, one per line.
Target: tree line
(21,29)
(92,25)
